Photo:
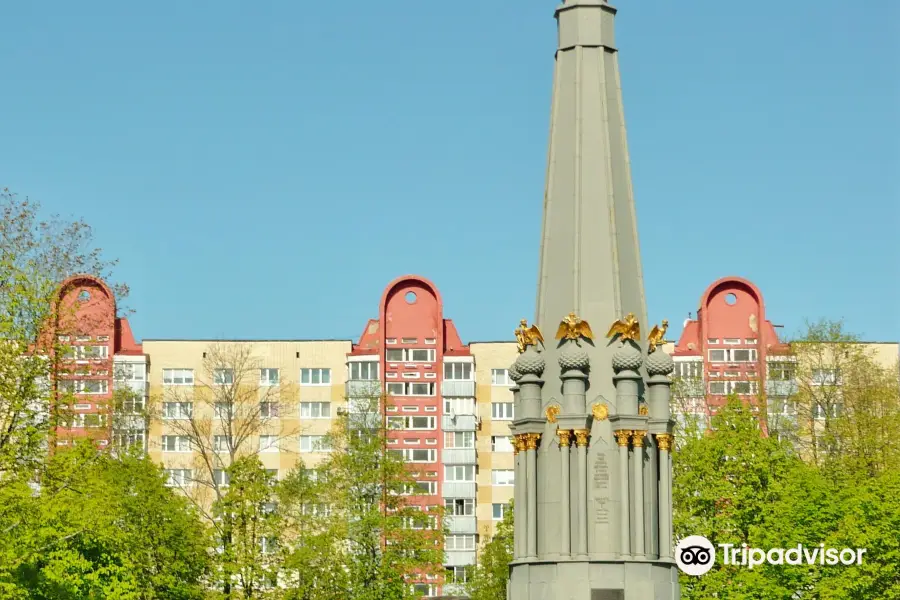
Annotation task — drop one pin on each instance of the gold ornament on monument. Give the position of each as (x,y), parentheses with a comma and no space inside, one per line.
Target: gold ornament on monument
(573,328)
(600,411)
(527,336)
(657,335)
(552,412)
(643,410)
(627,328)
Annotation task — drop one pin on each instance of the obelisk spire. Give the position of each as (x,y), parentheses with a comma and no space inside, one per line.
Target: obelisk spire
(590,259)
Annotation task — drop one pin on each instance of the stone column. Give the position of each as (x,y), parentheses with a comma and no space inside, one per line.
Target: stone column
(531,444)
(637,441)
(521,507)
(565,440)
(622,438)
(665,442)
(582,437)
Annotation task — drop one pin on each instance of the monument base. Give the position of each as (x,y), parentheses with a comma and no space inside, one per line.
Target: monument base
(613,580)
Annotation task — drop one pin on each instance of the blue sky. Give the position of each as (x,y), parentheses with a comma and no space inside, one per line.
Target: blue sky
(265,169)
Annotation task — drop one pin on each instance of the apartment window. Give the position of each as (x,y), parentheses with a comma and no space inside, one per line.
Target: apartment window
(315,376)
(424,590)
(421,389)
(457,575)
(459,507)
(502,477)
(396,389)
(390,341)
(409,408)
(458,371)
(394,355)
(314,443)
(459,406)
(731,341)
(224,410)
(743,387)
(459,439)
(268,410)
(130,371)
(420,423)
(178,410)
(782,406)
(178,376)
(712,341)
(268,377)
(743,355)
(717,355)
(502,411)
(272,475)
(689,369)
(93,386)
(500,377)
(501,443)
(92,420)
(459,473)
(176,443)
(824,376)
(90,352)
(420,355)
(315,410)
(130,439)
(364,371)
(221,477)
(781,371)
(499,510)
(460,542)
(750,341)
(425,488)
(221,443)
(178,477)
(267,545)
(223,376)
(82,338)
(268,443)
(718,388)
(418,455)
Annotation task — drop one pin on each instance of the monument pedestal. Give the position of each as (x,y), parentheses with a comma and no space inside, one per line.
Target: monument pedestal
(583,580)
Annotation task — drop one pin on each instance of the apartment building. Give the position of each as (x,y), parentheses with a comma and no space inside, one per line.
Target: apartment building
(733,348)
(99,365)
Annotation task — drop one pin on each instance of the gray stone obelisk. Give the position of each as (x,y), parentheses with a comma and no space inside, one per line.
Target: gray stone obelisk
(592,423)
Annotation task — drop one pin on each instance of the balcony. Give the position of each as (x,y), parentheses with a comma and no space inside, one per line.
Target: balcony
(458,456)
(781,388)
(451,388)
(459,423)
(454,590)
(456,524)
(459,558)
(458,489)
(362,389)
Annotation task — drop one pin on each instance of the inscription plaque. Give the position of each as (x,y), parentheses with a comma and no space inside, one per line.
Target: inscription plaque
(601,473)
(601,512)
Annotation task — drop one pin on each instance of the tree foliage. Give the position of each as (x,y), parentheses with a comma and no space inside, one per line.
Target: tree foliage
(490,576)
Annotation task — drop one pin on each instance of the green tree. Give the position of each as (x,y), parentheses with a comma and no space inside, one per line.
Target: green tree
(383,542)
(491,574)
(99,527)
(36,255)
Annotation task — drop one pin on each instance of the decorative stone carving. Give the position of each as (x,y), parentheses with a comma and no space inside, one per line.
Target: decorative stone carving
(660,363)
(530,363)
(665,441)
(627,357)
(514,372)
(637,438)
(623,436)
(552,412)
(581,437)
(574,357)
(531,440)
(565,438)
(643,410)
(600,411)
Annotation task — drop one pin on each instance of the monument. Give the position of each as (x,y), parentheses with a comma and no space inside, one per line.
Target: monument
(593,430)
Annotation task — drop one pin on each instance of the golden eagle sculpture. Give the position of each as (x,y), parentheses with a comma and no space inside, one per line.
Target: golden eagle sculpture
(627,328)
(528,336)
(573,328)
(657,335)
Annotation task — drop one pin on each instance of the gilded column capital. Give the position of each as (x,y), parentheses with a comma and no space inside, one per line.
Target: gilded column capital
(520,442)
(565,438)
(665,441)
(623,436)
(581,437)
(531,440)
(637,438)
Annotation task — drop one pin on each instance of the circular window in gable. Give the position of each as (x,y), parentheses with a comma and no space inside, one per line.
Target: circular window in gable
(84,296)
(410,297)
(730,299)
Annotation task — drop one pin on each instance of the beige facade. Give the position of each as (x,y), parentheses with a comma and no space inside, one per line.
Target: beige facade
(494,411)
(266,371)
